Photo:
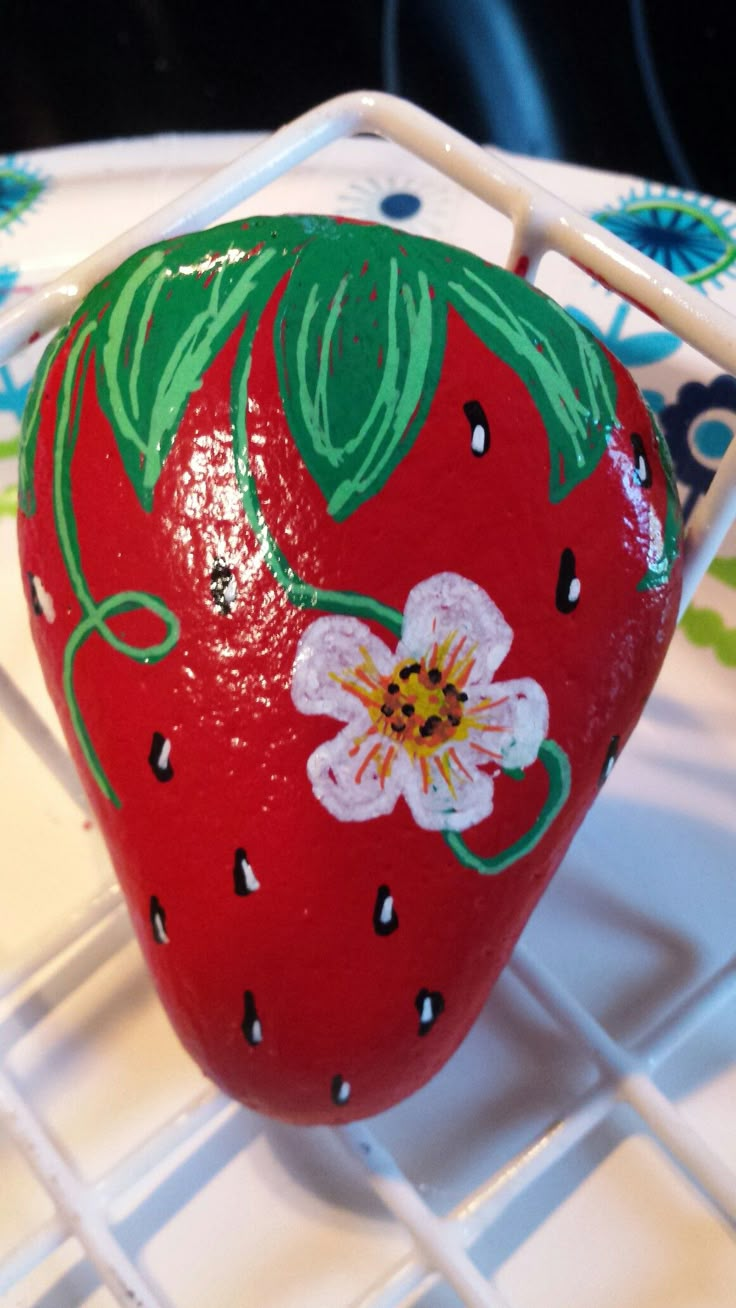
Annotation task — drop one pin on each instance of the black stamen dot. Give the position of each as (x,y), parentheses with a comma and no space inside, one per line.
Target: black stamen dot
(387,711)
(393,688)
(480,435)
(251,1024)
(244,878)
(463,697)
(435,676)
(454,720)
(158,921)
(610,759)
(408,670)
(642,466)
(567,593)
(407,710)
(222,586)
(429,726)
(339,1091)
(398,727)
(159,757)
(385,919)
(429,1005)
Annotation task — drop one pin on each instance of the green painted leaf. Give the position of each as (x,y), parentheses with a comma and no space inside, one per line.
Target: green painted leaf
(359,343)
(31,422)
(351,292)
(562,365)
(161,319)
(660,570)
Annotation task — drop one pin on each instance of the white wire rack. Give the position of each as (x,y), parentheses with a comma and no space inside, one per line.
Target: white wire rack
(442,1246)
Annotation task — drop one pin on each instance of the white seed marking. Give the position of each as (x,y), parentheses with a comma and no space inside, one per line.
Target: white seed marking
(251,880)
(478,439)
(256,1033)
(163,758)
(388,909)
(160,929)
(427,1011)
(573,594)
(45,600)
(343,1093)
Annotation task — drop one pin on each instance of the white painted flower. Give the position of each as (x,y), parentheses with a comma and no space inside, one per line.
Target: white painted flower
(425,720)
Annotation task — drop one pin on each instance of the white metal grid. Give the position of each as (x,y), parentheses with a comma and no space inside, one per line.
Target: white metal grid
(442,1245)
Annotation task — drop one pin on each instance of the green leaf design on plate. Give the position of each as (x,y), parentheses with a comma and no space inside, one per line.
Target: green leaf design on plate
(8,501)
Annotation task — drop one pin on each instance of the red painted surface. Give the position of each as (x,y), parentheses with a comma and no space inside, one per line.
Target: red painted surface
(333,997)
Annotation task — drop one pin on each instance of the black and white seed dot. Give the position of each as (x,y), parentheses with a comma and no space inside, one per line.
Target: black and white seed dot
(223,587)
(340,1091)
(567,592)
(480,434)
(244,878)
(610,759)
(35,601)
(385,917)
(160,757)
(251,1024)
(158,921)
(642,466)
(430,1004)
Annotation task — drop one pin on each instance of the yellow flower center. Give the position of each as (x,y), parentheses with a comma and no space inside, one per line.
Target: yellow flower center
(420,708)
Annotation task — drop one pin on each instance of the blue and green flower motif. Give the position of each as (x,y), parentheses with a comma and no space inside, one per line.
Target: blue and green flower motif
(19,189)
(681,231)
(12,401)
(699,428)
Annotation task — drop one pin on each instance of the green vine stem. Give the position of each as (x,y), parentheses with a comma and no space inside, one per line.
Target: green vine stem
(557,766)
(95,615)
(299,592)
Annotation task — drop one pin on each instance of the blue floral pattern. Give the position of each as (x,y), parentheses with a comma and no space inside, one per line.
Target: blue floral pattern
(8,277)
(679,230)
(699,428)
(19,189)
(399,202)
(12,396)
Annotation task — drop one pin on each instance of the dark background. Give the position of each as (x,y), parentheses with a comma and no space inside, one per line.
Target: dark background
(640,86)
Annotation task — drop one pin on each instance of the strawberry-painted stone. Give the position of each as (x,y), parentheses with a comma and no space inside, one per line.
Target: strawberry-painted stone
(351,563)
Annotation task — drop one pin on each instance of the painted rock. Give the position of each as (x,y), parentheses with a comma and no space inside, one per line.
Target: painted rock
(351,562)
